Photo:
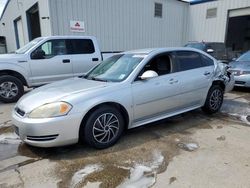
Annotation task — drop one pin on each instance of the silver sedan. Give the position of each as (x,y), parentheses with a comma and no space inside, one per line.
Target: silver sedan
(125,91)
(240,68)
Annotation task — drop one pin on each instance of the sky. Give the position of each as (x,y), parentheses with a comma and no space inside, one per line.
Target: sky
(2,3)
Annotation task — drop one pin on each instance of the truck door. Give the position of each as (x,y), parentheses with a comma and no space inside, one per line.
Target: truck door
(50,62)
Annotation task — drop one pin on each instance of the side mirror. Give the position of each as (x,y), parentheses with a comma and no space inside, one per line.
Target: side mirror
(38,54)
(234,59)
(148,74)
(210,50)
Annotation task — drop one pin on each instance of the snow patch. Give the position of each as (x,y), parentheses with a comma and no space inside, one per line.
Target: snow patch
(143,176)
(9,138)
(80,175)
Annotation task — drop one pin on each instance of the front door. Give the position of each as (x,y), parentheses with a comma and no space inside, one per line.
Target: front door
(54,65)
(155,96)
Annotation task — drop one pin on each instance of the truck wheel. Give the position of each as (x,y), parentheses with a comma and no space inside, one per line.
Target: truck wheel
(103,127)
(214,100)
(11,89)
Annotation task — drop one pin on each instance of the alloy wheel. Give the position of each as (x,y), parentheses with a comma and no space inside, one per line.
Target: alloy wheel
(8,90)
(215,99)
(105,128)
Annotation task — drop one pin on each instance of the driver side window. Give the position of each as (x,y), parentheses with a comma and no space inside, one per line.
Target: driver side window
(50,49)
(160,64)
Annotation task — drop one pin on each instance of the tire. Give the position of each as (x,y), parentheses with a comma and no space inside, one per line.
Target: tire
(103,127)
(214,100)
(11,89)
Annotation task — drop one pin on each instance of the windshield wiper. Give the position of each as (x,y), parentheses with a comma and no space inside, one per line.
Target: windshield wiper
(95,78)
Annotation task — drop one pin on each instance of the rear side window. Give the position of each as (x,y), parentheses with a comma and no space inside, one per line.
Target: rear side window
(80,46)
(206,61)
(187,60)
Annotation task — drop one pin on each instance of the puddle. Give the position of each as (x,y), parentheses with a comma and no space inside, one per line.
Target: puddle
(172,179)
(221,138)
(6,124)
(9,138)
(80,175)
(144,175)
(188,146)
(9,143)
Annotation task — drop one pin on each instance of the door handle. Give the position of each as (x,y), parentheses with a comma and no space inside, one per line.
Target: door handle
(95,59)
(66,60)
(207,73)
(173,81)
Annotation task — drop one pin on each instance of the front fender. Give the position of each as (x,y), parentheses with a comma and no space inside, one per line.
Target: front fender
(15,68)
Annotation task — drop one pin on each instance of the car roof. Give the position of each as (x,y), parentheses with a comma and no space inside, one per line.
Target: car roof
(155,50)
(68,37)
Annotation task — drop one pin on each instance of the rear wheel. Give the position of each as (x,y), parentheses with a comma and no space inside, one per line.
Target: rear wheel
(214,100)
(103,127)
(11,89)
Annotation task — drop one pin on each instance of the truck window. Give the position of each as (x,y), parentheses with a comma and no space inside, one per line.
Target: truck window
(80,46)
(52,48)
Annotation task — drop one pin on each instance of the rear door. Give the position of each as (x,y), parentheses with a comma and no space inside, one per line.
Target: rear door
(194,73)
(83,55)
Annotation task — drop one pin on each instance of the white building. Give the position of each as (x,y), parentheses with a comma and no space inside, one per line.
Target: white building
(118,24)
(221,21)
(129,24)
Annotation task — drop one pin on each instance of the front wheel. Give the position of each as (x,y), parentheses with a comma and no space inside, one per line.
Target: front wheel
(11,89)
(214,100)
(103,127)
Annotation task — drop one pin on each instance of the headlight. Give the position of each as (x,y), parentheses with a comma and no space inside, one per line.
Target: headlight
(51,110)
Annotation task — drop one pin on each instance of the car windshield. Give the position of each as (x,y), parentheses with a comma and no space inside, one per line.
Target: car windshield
(244,57)
(26,47)
(199,46)
(116,68)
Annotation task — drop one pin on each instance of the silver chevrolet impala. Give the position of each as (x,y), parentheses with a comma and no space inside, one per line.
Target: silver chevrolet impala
(125,91)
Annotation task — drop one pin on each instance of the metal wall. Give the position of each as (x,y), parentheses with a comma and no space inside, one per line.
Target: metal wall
(17,9)
(211,29)
(123,24)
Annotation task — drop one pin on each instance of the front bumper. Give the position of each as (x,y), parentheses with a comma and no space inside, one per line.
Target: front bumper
(242,80)
(48,132)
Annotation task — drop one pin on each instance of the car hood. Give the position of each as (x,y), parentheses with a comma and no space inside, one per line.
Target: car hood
(57,91)
(240,65)
(12,58)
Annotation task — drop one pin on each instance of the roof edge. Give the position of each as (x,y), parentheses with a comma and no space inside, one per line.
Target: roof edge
(201,1)
(6,4)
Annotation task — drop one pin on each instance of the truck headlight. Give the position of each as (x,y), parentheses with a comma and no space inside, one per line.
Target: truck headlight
(51,110)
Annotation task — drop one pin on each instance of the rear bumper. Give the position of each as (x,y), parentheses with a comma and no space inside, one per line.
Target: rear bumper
(229,82)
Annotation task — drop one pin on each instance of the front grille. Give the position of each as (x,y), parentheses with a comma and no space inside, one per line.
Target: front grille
(42,138)
(240,82)
(19,111)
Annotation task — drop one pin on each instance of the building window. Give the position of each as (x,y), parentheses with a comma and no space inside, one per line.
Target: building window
(211,13)
(158,10)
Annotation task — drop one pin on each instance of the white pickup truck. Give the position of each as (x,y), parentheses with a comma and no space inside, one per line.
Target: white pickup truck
(44,60)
